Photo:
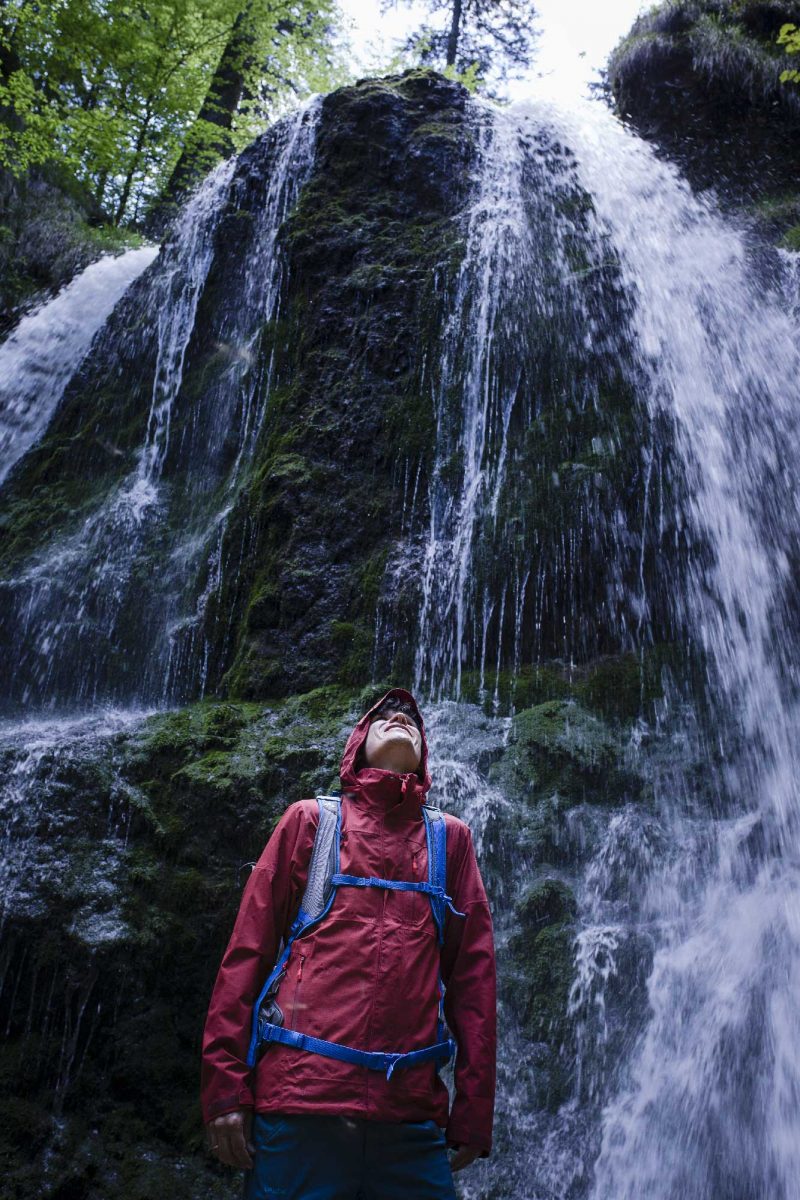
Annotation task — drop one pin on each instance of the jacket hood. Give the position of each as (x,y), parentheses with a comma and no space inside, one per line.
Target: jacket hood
(373,783)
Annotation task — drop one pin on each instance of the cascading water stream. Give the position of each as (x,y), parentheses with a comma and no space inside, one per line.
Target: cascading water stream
(711,1099)
(496,236)
(80,610)
(40,356)
(694,1084)
(530,343)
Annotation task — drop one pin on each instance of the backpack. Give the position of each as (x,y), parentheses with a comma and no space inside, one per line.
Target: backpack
(324,878)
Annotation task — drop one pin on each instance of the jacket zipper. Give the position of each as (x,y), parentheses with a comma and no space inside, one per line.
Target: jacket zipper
(302,958)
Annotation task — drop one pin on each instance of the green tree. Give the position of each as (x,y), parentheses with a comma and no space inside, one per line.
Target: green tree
(253,76)
(475,40)
(113,88)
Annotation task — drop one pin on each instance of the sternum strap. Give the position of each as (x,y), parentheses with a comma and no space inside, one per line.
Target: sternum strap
(399,885)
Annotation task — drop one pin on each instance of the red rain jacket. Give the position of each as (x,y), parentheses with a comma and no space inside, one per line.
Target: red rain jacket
(365,976)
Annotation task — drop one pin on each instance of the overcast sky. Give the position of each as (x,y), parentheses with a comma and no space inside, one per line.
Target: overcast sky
(576,38)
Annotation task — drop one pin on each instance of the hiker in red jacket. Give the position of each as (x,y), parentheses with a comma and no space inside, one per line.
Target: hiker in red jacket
(302,1123)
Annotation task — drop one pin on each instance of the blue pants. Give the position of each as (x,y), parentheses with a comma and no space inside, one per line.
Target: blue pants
(301,1156)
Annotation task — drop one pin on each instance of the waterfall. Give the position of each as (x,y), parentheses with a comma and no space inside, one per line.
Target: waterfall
(117,606)
(528,348)
(497,234)
(687,955)
(36,750)
(709,1103)
(40,356)
(615,408)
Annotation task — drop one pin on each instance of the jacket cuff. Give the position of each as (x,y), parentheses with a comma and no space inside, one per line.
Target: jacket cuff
(226,1104)
(470,1123)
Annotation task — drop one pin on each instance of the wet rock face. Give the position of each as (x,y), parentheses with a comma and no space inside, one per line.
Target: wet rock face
(371,246)
(293,414)
(702,79)
(134,840)
(47,235)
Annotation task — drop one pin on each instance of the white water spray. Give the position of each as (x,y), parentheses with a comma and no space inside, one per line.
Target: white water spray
(41,355)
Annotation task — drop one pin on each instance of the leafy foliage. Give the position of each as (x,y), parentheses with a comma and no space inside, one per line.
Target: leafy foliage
(789,37)
(111,88)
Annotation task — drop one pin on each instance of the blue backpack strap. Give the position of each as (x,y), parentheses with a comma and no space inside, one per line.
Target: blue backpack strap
(377,1060)
(436,833)
(397,885)
(317,899)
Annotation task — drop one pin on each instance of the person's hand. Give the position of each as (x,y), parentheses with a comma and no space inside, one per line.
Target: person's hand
(464,1155)
(229,1138)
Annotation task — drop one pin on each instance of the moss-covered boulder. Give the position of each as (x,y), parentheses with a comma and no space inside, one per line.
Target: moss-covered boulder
(560,748)
(542,968)
(702,79)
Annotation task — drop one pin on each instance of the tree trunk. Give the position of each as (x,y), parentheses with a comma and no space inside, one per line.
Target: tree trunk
(219,108)
(137,155)
(453,35)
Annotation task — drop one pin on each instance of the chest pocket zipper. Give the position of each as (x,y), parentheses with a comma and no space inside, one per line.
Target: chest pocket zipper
(302,958)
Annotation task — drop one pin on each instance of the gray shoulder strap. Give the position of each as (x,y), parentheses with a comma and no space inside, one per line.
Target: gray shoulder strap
(324,858)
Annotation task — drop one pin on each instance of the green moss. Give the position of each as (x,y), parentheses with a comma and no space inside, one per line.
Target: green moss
(354,645)
(780,208)
(622,687)
(212,775)
(791,239)
(324,706)
(542,958)
(450,130)
(563,728)
(558,747)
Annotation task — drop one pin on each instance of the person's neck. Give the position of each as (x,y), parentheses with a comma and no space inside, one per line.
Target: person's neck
(392,768)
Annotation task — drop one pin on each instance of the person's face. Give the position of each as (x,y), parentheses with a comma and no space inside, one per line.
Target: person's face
(394,743)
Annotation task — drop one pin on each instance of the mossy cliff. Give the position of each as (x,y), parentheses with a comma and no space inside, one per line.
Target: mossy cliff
(371,244)
(49,231)
(340,377)
(130,836)
(701,78)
